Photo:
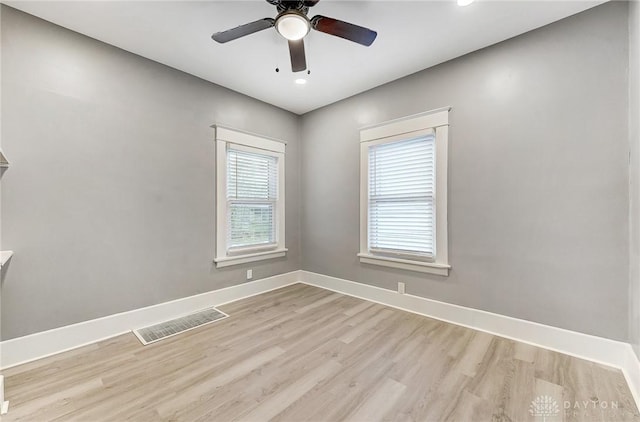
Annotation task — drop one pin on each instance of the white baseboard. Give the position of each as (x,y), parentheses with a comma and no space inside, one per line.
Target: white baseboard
(4,405)
(36,346)
(609,352)
(631,371)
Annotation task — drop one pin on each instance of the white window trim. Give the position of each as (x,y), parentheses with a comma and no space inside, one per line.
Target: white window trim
(420,124)
(248,142)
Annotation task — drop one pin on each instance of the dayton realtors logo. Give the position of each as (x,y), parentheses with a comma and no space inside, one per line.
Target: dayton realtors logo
(593,408)
(544,407)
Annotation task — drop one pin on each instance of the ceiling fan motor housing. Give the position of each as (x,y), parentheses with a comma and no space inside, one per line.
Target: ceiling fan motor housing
(300,5)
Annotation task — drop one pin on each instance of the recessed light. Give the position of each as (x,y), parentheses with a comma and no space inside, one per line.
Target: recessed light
(301,81)
(464,2)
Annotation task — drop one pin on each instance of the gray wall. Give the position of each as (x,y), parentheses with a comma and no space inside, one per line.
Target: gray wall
(109,200)
(634,142)
(538,194)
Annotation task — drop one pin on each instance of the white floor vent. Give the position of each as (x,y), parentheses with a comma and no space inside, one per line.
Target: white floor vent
(176,326)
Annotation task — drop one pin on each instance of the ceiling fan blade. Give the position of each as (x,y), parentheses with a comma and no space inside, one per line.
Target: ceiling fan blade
(346,30)
(242,30)
(298,59)
(310,3)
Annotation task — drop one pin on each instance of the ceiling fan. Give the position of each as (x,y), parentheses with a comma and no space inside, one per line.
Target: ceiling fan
(293,24)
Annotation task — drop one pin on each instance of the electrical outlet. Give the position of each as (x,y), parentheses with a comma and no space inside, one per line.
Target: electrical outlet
(400,287)
(249,274)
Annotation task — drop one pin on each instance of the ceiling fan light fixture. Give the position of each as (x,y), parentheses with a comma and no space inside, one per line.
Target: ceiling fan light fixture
(292,25)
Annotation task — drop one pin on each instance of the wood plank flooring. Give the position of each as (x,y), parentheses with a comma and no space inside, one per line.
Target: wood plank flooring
(303,353)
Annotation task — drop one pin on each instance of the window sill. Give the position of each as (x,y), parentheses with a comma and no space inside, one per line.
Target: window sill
(405,264)
(228,261)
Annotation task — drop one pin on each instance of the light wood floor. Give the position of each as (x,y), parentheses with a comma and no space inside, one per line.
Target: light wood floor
(303,353)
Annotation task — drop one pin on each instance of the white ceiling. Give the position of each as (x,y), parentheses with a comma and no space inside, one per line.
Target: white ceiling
(412,35)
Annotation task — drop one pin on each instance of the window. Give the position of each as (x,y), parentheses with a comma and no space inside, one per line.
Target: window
(250,198)
(403,193)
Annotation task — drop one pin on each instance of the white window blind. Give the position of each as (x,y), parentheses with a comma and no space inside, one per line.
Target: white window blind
(252,194)
(402,198)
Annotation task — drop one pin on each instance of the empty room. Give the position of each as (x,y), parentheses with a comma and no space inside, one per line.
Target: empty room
(320,210)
